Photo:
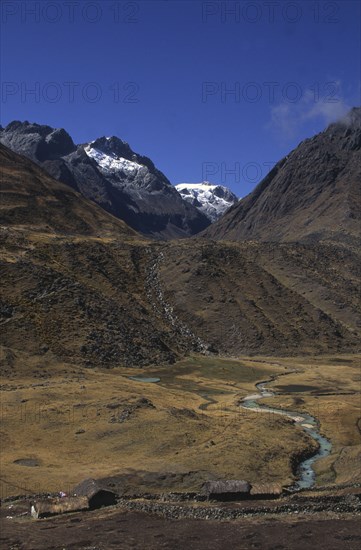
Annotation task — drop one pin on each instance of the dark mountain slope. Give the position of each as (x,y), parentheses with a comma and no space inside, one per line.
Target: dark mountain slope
(32,200)
(108,172)
(265,298)
(78,285)
(312,194)
(74,278)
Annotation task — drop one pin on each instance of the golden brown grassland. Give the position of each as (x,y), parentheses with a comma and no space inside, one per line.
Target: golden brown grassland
(64,423)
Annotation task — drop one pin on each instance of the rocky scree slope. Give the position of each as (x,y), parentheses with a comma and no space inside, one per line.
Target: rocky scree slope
(75,281)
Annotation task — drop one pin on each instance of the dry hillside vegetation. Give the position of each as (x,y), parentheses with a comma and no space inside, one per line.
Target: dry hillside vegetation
(80,285)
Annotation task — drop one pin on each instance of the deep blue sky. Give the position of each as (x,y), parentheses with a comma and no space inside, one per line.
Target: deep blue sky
(177,60)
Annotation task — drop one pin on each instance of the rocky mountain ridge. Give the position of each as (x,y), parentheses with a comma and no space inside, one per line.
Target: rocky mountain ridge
(80,286)
(312,194)
(211,199)
(110,174)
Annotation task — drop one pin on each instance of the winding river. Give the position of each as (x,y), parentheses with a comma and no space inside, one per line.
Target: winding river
(305,473)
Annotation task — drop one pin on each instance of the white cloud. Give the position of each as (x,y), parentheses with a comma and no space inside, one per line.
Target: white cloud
(288,118)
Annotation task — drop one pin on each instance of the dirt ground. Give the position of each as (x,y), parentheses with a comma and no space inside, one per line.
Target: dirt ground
(123,530)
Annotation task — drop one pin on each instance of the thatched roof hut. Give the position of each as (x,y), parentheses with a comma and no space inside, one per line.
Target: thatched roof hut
(96,494)
(226,489)
(266,490)
(54,506)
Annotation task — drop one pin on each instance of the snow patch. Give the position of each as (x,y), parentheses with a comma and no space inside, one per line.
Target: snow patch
(110,163)
(211,199)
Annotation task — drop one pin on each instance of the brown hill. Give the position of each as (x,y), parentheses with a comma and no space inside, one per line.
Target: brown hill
(79,286)
(266,298)
(312,194)
(73,277)
(32,200)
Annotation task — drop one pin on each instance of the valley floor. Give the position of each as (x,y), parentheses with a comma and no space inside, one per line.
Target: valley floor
(173,432)
(62,424)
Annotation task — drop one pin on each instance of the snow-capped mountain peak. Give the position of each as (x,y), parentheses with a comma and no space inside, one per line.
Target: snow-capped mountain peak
(211,199)
(108,172)
(110,162)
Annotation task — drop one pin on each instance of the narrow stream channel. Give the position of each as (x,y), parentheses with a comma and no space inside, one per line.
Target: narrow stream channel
(305,473)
